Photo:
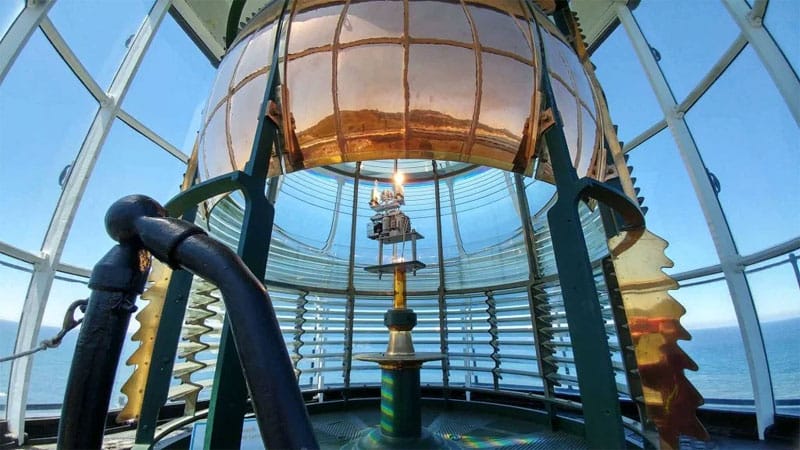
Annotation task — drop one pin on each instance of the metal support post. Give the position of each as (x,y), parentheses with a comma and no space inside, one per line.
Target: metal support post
(347,363)
(538,305)
(229,397)
(442,299)
(586,324)
(598,388)
(795,267)
(42,279)
(778,67)
(712,210)
(491,311)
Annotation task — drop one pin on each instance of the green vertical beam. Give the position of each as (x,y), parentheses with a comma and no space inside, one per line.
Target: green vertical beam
(601,412)
(491,312)
(539,306)
(442,304)
(347,362)
(229,396)
(586,324)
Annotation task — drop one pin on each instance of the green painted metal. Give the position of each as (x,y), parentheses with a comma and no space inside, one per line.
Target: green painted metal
(401,415)
(441,293)
(229,396)
(595,373)
(347,361)
(494,343)
(539,307)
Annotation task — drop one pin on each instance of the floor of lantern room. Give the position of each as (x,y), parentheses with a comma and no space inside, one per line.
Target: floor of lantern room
(471,428)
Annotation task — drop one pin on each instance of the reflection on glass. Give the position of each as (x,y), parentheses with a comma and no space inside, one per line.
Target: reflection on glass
(438,20)
(257,57)
(39,92)
(359,86)
(313,28)
(371,101)
(372,20)
(216,158)
(505,108)
(499,30)
(568,108)
(243,120)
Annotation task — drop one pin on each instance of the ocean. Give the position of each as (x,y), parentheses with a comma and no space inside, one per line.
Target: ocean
(722,379)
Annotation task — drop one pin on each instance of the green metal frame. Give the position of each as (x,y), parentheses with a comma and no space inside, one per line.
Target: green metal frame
(601,410)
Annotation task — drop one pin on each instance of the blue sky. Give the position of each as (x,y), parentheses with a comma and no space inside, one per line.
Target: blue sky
(742,127)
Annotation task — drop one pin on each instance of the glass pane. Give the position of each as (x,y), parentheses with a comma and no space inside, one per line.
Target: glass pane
(313,28)
(40,92)
(673,210)
(126,156)
(243,118)
(51,367)
(15,275)
(311,102)
(100,32)
(258,55)
(716,344)
(438,20)
(489,242)
(754,155)
(631,100)
(781,21)
(372,19)
(691,43)
(441,79)
(216,158)
(224,79)
(9,10)
(371,101)
(498,30)
(170,88)
(775,285)
(307,247)
(505,102)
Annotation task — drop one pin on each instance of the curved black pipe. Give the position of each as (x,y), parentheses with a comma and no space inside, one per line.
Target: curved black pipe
(277,402)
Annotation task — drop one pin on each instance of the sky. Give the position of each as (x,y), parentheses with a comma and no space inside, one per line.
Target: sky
(742,127)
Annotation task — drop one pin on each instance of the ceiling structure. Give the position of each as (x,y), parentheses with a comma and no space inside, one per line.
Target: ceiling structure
(206,21)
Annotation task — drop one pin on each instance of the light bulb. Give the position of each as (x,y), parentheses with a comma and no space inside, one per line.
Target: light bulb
(399,178)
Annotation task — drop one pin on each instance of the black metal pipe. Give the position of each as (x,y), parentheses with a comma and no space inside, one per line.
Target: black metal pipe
(278,404)
(116,281)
